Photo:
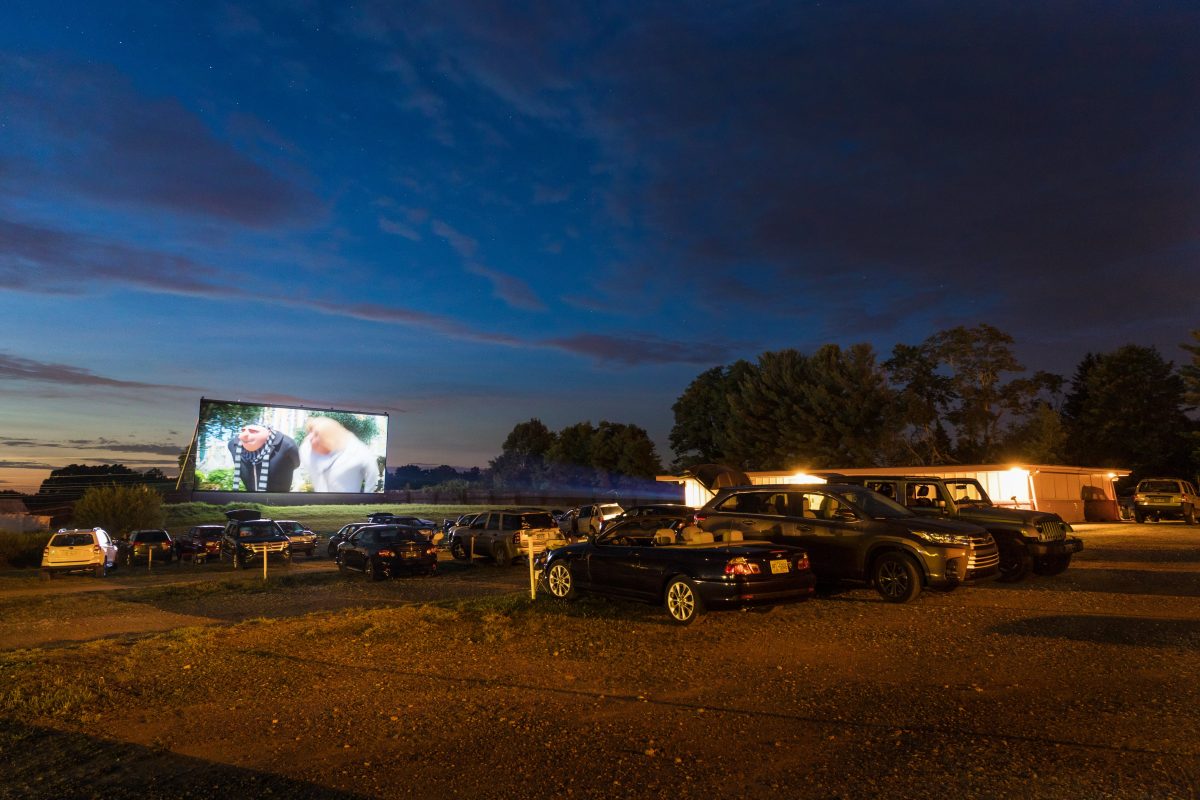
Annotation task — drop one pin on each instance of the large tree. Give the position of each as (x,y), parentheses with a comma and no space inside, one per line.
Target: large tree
(833,408)
(1126,409)
(702,414)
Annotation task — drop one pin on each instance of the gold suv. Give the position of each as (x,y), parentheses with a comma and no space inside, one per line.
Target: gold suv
(1165,498)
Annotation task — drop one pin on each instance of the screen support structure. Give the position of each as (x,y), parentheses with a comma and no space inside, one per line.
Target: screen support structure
(188,456)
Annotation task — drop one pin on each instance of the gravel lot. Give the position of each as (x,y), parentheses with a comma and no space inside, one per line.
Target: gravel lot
(201,683)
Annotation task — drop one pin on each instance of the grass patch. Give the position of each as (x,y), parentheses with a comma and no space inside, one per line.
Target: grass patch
(321,518)
(209,589)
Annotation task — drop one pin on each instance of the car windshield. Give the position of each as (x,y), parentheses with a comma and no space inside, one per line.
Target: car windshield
(71,540)
(1158,486)
(874,504)
(151,536)
(385,535)
(968,493)
(257,529)
(542,520)
(290,527)
(609,509)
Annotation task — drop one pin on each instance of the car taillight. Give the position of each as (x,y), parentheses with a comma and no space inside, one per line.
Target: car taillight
(431,551)
(740,566)
(1139,497)
(802,563)
(518,538)
(96,549)
(386,553)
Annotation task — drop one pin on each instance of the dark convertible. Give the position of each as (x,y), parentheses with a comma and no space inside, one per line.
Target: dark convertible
(656,561)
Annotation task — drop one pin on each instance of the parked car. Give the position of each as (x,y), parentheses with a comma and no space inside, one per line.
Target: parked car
(79,550)
(302,539)
(382,551)
(653,510)
(1165,498)
(590,518)
(633,560)
(426,526)
(246,539)
(506,534)
(341,536)
(199,543)
(1028,540)
(852,533)
(146,546)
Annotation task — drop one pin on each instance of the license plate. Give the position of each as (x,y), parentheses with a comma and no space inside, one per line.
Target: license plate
(779,565)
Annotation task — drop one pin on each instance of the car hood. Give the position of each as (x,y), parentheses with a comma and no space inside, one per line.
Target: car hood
(1010,516)
(916,523)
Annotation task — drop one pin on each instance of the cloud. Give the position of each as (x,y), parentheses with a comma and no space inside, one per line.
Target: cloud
(97,136)
(462,244)
(96,444)
(512,290)
(24,465)
(398,229)
(543,195)
(638,350)
(26,369)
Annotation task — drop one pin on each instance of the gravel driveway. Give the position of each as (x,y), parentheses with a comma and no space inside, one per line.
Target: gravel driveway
(1080,686)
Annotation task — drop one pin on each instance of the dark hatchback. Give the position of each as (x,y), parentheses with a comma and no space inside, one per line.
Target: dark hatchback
(199,543)
(645,559)
(383,551)
(144,546)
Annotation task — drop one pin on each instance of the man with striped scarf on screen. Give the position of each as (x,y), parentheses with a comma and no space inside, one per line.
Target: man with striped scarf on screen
(264,459)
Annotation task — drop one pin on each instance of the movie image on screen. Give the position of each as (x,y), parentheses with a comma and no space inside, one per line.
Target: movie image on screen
(242,447)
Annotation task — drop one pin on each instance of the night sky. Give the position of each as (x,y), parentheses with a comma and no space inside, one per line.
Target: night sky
(468,215)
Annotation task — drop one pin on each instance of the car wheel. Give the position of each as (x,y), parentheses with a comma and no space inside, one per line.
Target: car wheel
(47,574)
(560,582)
(1052,565)
(458,551)
(682,601)
(1189,515)
(502,552)
(373,570)
(1015,563)
(1139,517)
(342,568)
(101,570)
(896,578)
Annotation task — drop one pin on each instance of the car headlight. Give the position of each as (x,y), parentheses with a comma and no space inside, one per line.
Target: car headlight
(937,537)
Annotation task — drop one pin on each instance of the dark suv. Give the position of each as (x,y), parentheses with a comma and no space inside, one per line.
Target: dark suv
(853,533)
(1165,498)
(1036,541)
(247,538)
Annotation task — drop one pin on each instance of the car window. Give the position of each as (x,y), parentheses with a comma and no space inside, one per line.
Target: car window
(967,492)
(152,536)
(493,522)
(746,503)
(540,520)
(885,488)
(874,504)
(1158,486)
(71,540)
(257,529)
(610,508)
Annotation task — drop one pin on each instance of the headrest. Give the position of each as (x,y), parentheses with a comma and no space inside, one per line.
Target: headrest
(664,536)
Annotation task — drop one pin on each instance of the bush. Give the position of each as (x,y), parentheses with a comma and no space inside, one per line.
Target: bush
(119,509)
(22,549)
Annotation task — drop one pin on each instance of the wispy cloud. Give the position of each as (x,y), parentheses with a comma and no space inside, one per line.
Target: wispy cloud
(635,350)
(27,369)
(25,465)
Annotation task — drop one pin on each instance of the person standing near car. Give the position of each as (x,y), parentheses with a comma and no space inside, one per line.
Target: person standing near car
(264,459)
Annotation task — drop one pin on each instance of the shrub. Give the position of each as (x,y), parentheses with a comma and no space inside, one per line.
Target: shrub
(119,509)
(22,549)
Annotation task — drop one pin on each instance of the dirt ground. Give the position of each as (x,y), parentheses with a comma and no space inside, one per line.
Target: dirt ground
(201,682)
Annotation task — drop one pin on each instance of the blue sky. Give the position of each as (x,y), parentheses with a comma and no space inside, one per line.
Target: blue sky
(469,215)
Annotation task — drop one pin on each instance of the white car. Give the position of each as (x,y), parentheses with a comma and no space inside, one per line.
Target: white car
(590,519)
(79,550)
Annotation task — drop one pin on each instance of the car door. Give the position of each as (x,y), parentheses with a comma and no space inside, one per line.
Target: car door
(353,554)
(615,564)
(811,523)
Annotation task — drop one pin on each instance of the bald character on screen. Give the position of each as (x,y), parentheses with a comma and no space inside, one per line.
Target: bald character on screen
(264,460)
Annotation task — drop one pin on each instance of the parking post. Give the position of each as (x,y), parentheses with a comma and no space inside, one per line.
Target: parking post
(264,558)
(532,582)
(471,558)
(150,560)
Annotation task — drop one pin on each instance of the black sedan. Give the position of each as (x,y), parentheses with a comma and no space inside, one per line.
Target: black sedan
(645,559)
(342,535)
(382,551)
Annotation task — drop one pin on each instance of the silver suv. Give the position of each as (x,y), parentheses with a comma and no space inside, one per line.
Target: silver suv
(1165,498)
(79,550)
(505,534)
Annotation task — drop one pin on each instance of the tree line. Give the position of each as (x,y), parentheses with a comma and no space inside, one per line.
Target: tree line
(960,396)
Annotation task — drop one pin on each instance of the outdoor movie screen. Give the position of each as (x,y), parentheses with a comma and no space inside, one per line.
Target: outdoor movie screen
(242,447)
